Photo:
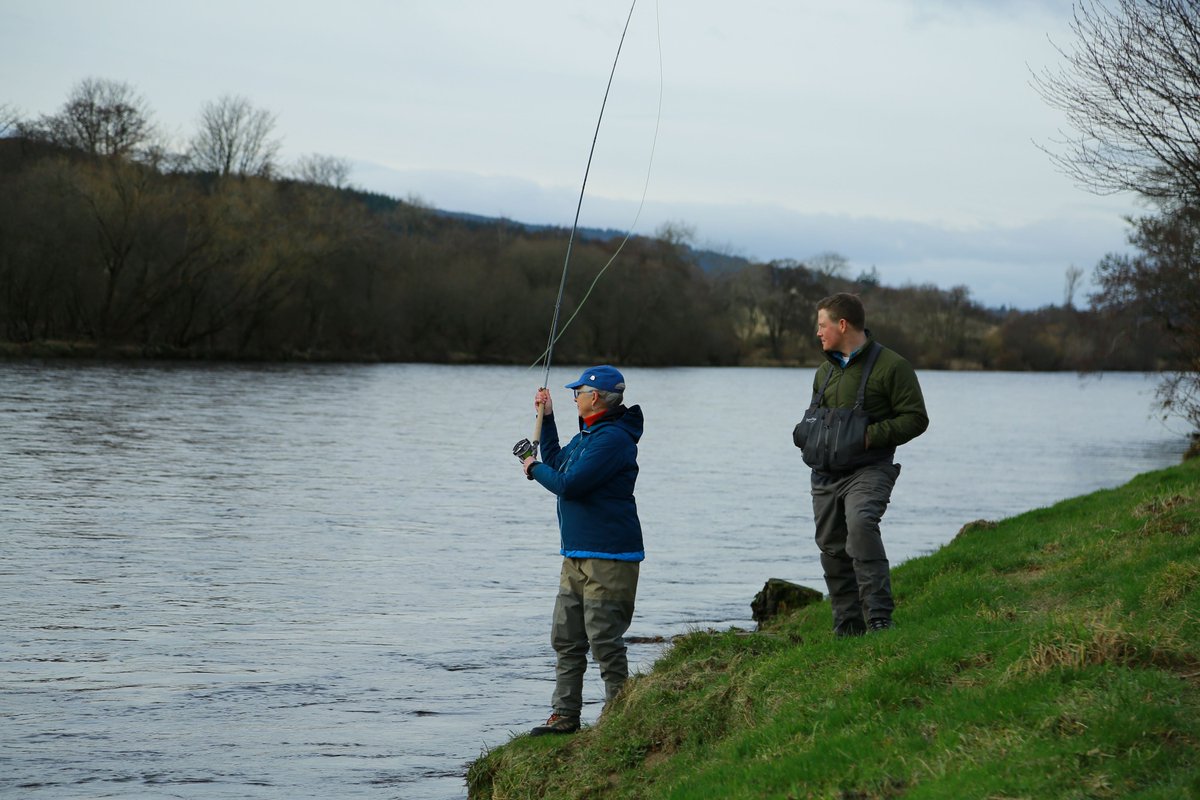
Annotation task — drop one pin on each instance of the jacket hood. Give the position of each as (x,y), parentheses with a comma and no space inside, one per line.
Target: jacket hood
(628,419)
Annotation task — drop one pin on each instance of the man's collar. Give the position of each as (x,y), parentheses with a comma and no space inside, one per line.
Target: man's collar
(844,359)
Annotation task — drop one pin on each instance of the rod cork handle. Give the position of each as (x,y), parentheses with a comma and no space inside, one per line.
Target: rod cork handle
(537,424)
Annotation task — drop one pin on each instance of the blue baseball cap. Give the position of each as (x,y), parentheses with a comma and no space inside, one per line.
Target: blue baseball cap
(603,377)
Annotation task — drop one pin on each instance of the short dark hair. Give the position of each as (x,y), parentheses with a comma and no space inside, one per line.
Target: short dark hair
(844,305)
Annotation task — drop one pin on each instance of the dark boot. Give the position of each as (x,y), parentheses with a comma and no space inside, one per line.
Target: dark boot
(850,627)
(557,723)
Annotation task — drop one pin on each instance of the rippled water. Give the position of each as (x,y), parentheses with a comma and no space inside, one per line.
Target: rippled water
(332,581)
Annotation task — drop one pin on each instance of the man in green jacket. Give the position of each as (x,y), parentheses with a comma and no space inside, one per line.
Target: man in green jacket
(851,488)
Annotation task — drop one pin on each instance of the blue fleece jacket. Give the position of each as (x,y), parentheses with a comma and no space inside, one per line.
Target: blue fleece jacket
(593,477)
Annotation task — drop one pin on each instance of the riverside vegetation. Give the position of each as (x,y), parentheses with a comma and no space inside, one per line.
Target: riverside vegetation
(1055,654)
(108,255)
(117,240)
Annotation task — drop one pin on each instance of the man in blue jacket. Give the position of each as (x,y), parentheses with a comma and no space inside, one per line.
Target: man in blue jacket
(601,537)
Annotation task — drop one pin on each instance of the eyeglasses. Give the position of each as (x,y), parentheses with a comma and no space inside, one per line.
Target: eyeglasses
(583,391)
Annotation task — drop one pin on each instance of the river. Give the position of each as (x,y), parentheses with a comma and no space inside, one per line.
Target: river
(297,581)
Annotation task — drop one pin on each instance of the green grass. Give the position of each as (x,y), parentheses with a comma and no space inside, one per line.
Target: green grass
(1051,655)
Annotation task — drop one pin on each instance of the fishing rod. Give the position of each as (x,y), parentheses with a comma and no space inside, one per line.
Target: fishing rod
(528,447)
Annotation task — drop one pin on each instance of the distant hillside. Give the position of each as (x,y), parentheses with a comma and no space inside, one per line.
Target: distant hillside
(708,260)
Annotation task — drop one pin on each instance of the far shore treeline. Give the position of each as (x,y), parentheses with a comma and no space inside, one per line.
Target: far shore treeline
(105,255)
(114,244)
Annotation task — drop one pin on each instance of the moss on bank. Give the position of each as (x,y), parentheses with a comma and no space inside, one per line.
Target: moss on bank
(1052,655)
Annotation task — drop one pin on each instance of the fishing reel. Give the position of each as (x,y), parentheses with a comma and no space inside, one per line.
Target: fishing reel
(523,450)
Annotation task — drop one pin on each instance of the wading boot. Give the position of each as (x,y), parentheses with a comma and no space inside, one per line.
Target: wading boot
(850,627)
(557,724)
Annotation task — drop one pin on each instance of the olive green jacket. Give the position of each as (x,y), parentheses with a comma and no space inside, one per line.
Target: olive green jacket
(894,401)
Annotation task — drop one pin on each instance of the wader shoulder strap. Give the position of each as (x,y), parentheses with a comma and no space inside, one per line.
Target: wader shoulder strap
(817,395)
(861,397)
(868,365)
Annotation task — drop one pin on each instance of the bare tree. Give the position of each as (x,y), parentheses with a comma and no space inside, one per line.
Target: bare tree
(9,119)
(1157,286)
(829,265)
(235,138)
(322,170)
(1131,91)
(675,233)
(1074,275)
(101,117)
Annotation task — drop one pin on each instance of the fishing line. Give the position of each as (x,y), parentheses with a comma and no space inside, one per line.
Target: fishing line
(632,226)
(526,447)
(555,334)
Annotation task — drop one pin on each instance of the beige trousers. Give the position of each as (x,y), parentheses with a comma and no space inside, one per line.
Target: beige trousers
(593,609)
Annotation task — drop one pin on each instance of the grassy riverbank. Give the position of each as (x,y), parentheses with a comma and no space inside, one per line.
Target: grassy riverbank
(1052,655)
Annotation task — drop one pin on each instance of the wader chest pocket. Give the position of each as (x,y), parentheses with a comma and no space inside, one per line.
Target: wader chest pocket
(834,439)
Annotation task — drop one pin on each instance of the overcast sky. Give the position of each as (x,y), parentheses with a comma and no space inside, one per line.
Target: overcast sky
(901,134)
